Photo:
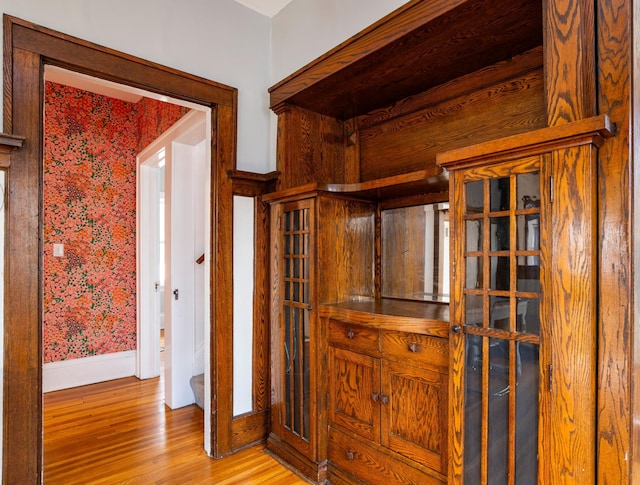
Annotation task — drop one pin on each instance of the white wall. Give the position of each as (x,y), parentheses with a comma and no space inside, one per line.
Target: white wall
(219,40)
(306,29)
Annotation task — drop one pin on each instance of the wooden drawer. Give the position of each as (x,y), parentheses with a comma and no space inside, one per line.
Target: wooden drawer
(371,465)
(354,337)
(416,347)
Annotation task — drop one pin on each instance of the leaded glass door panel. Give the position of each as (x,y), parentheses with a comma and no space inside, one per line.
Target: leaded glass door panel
(497,334)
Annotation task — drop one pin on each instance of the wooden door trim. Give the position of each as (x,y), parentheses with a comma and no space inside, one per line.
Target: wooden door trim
(27,48)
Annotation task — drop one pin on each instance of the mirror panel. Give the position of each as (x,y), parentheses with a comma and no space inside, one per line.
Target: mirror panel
(415,252)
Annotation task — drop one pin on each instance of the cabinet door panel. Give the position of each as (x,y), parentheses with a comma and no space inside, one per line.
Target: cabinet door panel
(369,464)
(293,402)
(414,413)
(499,222)
(354,390)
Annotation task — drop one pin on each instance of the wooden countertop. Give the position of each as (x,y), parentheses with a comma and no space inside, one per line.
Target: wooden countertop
(389,314)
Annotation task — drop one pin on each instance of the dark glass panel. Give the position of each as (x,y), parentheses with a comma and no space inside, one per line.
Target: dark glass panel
(473,410)
(528,187)
(295,366)
(474,235)
(287,366)
(499,311)
(296,220)
(473,310)
(528,316)
(500,273)
(498,439)
(287,245)
(499,194)
(499,234)
(474,273)
(474,192)
(287,221)
(526,439)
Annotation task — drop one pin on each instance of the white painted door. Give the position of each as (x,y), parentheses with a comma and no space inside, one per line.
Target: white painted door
(179,277)
(184,153)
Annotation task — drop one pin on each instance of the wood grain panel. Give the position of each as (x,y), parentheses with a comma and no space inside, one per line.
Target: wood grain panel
(370,72)
(569,64)
(22,405)
(354,384)
(618,397)
(360,463)
(521,66)
(261,353)
(249,429)
(457,344)
(221,270)
(415,348)
(346,249)
(403,252)
(310,148)
(65,51)
(411,142)
(413,421)
(354,337)
(573,339)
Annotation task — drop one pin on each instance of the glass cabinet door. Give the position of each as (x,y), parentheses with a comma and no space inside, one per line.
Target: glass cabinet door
(295,339)
(499,222)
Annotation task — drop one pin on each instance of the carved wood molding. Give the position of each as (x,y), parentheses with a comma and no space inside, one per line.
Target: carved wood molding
(8,143)
(592,130)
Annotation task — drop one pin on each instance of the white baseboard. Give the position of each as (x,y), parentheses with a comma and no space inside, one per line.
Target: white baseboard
(87,370)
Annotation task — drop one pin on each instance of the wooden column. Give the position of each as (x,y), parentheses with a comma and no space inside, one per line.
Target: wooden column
(569,67)
(22,423)
(618,458)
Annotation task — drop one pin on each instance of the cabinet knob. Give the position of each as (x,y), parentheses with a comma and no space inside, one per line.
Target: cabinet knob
(456,328)
(374,396)
(351,333)
(413,347)
(309,308)
(384,399)
(350,455)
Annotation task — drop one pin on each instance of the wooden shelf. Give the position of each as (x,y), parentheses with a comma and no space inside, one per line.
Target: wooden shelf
(447,40)
(434,180)
(389,314)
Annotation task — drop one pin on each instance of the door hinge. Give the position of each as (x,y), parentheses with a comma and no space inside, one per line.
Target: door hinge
(550,377)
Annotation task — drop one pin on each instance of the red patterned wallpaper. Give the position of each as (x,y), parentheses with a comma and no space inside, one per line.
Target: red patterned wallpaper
(90,148)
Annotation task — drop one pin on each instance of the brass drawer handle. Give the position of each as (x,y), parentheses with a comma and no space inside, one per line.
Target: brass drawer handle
(351,333)
(413,347)
(350,455)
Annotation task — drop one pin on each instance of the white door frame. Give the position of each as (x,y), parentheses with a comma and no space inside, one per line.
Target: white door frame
(189,130)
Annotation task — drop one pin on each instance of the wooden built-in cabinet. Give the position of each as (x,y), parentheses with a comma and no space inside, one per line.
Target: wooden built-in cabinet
(307,226)
(387,392)
(522,307)
(459,103)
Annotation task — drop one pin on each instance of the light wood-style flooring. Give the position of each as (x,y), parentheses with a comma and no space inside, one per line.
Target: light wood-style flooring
(120,432)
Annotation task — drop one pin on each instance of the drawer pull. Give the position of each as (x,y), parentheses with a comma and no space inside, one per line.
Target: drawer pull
(413,347)
(375,396)
(351,333)
(350,455)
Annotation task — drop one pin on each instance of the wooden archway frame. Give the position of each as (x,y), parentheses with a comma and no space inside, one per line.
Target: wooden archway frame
(27,48)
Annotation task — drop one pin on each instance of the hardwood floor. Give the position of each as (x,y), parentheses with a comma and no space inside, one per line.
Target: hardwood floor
(120,432)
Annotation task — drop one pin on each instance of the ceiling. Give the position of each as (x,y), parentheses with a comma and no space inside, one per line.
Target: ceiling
(265,7)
